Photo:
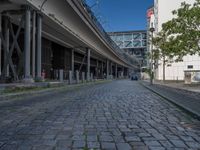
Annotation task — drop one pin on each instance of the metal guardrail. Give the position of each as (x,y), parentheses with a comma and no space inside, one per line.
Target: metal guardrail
(127,58)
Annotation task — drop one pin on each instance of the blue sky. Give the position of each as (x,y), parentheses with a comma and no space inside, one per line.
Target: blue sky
(122,15)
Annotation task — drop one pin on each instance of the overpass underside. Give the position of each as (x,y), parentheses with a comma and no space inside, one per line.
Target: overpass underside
(46,39)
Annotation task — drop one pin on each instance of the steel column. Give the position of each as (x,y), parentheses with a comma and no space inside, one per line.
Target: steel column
(88,64)
(27,42)
(116,71)
(102,70)
(7,46)
(111,71)
(0,41)
(72,62)
(33,43)
(39,45)
(107,69)
(97,69)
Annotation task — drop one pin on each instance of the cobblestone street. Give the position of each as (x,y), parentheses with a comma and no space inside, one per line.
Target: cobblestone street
(120,115)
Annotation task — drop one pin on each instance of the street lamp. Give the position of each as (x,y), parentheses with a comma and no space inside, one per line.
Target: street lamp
(151,64)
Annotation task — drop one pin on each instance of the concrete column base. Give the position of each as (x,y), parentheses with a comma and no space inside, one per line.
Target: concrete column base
(28,80)
(83,77)
(70,77)
(88,77)
(77,77)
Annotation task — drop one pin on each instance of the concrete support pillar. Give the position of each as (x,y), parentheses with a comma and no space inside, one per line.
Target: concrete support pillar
(70,77)
(83,77)
(88,64)
(91,77)
(122,72)
(7,41)
(27,43)
(77,76)
(0,42)
(39,45)
(97,70)
(107,69)
(61,75)
(102,70)
(111,70)
(33,43)
(116,71)
(72,63)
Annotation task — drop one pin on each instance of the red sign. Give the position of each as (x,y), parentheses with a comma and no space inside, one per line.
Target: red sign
(150,12)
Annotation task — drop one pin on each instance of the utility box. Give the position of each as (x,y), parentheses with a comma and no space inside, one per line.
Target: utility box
(192,76)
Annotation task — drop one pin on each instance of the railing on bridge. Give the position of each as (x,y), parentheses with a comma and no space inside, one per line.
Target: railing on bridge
(127,58)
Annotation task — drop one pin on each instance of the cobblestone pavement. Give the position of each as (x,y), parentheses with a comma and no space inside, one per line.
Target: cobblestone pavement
(120,115)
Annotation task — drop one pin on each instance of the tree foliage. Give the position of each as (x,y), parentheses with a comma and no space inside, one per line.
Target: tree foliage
(182,33)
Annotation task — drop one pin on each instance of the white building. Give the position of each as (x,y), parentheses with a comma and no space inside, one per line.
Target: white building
(174,71)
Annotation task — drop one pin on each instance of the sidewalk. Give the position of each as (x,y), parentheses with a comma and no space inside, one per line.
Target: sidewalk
(15,90)
(184,96)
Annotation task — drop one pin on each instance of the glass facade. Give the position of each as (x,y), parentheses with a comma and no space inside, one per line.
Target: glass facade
(130,40)
(133,43)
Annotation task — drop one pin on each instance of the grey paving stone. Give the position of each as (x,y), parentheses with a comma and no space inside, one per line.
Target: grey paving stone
(64,143)
(152,143)
(79,144)
(108,146)
(178,143)
(93,145)
(132,139)
(123,146)
(91,138)
(105,138)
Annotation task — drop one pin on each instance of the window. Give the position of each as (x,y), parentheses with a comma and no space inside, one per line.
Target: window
(190,66)
(128,37)
(137,36)
(128,44)
(137,44)
(119,38)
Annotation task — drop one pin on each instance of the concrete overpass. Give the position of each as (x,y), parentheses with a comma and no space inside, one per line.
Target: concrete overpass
(45,36)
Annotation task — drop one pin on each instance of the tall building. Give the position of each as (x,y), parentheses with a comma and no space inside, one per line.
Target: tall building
(173,70)
(132,42)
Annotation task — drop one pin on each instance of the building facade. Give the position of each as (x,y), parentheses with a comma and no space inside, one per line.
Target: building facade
(173,70)
(132,42)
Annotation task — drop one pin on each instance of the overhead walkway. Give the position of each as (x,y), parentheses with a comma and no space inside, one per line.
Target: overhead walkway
(49,39)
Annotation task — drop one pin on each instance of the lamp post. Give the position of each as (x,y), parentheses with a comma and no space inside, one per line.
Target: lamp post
(151,63)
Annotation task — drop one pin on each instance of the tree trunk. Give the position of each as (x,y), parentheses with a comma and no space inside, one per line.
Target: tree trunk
(164,62)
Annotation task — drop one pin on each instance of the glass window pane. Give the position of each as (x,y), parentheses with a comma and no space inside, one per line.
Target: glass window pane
(128,44)
(144,36)
(137,44)
(127,37)
(119,38)
(137,36)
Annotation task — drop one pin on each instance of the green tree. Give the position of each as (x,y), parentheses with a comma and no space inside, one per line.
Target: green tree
(161,50)
(183,31)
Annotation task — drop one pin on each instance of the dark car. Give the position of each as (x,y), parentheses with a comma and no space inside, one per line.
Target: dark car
(135,78)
